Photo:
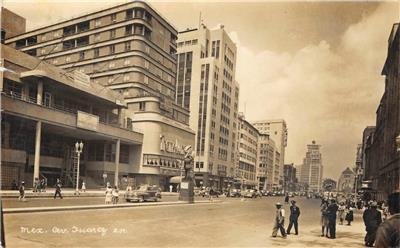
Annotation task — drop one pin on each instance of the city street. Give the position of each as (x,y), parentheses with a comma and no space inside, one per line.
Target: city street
(232,222)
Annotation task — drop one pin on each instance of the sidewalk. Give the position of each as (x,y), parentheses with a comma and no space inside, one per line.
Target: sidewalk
(99,206)
(66,193)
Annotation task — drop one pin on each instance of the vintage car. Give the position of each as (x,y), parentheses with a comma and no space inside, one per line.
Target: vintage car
(143,193)
(234,193)
(250,193)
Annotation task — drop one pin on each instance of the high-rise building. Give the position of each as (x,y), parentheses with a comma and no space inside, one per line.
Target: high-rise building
(268,158)
(206,85)
(289,175)
(129,48)
(312,169)
(346,181)
(248,154)
(277,131)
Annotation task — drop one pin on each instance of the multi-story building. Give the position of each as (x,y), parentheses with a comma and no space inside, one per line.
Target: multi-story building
(131,49)
(277,130)
(383,163)
(367,136)
(289,177)
(267,159)
(206,85)
(248,154)
(346,181)
(46,110)
(312,169)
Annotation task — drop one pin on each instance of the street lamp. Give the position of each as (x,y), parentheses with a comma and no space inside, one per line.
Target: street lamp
(78,150)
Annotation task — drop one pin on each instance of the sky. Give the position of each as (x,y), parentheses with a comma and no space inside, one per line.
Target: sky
(317,65)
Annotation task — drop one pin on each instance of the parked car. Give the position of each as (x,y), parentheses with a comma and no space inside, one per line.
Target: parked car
(143,193)
(234,193)
(250,193)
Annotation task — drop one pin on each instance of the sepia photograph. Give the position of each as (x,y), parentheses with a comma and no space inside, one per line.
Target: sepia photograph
(200,123)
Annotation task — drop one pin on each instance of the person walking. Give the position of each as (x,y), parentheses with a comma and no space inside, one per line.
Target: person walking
(279,221)
(83,186)
(293,218)
(372,219)
(108,199)
(332,209)
(286,199)
(115,195)
(22,191)
(388,233)
(341,209)
(349,215)
(58,189)
(324,219)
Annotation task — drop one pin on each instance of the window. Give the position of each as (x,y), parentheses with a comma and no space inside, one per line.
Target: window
(146,64)
(97,37)
(96,52)
(68,59)
(97,22)
(114,17)
(128,30)
(112,34)
(127,46)
(146,79)
(142,106)
(127,61)
(126,77)
(129,14)
(112,49)
(81,55)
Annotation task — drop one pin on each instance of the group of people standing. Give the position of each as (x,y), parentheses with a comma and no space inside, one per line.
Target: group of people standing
(112,194)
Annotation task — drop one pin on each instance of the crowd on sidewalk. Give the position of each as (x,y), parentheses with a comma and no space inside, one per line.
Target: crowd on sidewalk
(382,221)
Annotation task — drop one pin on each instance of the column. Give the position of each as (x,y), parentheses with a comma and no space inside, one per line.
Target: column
(39,93)
(117,146)
(120,118)
(37,150)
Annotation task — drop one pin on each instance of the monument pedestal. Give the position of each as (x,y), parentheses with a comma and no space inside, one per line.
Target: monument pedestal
(187,191)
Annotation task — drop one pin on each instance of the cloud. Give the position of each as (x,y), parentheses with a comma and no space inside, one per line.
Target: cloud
(324,94)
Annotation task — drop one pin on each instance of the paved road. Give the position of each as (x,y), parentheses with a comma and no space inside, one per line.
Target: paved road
(232,223)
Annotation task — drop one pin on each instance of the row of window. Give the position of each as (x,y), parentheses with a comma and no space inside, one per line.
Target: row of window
(187,43)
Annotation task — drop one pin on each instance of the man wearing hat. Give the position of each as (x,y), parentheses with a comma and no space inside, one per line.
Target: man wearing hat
(294,216)
(22,191)
(279,221)
(372,219)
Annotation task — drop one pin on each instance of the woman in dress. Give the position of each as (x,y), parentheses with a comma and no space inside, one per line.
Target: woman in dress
(108,195)
(349,215)
(341,209)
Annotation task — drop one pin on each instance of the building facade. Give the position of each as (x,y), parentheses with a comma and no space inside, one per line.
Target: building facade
(382,156)
(46,110)
(346,181)
(268,157)
(312,169)
(247,169)
(206,85)
(277,131)
(129,48)
(289,177)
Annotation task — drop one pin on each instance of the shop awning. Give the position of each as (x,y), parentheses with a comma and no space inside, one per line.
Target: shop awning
(175,179)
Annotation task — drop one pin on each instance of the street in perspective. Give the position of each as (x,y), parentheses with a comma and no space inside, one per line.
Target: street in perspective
(200,124)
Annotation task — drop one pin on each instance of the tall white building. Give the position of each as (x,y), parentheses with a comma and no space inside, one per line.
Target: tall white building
(277,131)
(206,85)
(312,169)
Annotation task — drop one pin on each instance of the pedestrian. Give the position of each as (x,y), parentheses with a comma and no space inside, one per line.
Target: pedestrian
(332,209)
(170,188)
(14,185)
(35,184)
(372,219)
(293,218)
(83,186)
(385,211)
(279,221)
(108,199)
(341,209)
(22,191)
(388,233)
(324,219)
(58,189)
(286,199)
(115,195)
(349,215)
(211,194)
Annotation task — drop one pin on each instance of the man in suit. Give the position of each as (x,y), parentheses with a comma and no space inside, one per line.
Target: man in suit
(294,216)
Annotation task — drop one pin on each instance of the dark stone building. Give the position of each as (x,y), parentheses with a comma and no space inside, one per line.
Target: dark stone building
(382,157)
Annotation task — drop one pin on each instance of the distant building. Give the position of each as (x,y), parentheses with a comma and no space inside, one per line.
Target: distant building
(277,131)
(289,177)
(328,184)
(12,23)
(346,181)
(382,156)
(206,85)
(312,169)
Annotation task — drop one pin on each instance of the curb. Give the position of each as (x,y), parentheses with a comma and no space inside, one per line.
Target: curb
(102,206)
(65,194)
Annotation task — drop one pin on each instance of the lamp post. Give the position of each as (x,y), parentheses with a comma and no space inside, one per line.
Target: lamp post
(78,150)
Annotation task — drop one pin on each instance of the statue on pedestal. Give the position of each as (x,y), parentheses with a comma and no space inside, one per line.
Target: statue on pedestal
(188,162)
